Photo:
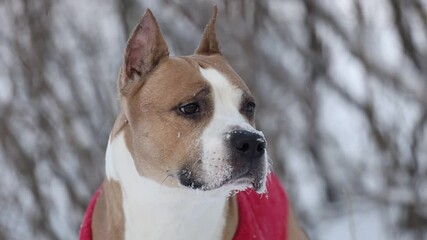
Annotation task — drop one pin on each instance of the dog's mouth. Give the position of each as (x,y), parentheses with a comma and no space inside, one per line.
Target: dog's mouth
(238,180)
(252,178)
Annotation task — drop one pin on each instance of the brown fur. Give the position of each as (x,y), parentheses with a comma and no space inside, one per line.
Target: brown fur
(294,230)
(108,218)
(231,218)
(161,138)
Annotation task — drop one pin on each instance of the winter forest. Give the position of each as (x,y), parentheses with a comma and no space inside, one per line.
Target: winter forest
(341,89)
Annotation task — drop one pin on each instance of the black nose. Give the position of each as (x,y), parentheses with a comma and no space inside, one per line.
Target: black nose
(247,144)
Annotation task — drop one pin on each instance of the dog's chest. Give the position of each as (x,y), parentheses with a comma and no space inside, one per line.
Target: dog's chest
(154,211)
(157,217)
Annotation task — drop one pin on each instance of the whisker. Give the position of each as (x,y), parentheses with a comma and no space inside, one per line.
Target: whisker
(168,174)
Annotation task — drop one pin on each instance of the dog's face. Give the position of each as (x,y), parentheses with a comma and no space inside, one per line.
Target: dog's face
(191,118)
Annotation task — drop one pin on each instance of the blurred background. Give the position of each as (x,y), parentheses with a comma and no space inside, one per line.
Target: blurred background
(341,88)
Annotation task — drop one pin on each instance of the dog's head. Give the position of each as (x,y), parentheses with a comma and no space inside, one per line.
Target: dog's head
(191,119)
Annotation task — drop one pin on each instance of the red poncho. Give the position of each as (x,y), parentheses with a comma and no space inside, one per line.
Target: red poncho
(260,216)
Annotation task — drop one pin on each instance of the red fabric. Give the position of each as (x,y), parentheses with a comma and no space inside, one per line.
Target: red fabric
(260,216)
(86,227)
(263,216)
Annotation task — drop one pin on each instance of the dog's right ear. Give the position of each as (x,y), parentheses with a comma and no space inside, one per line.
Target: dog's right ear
(144,50)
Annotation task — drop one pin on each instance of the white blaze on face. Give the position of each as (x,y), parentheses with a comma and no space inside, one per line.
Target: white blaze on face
(227,102)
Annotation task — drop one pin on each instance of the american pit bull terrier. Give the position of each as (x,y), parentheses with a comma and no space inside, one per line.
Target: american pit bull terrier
(184,160)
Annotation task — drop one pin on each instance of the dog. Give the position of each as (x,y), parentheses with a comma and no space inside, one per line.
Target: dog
(184,159)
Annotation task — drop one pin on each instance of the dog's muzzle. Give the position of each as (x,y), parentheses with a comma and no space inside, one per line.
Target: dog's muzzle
(246,158)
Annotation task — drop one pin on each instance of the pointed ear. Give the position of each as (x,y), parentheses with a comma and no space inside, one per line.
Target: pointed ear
(145,48)
(209,44)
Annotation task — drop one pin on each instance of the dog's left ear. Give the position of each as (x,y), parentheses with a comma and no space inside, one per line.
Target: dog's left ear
(209,43)
(144,50)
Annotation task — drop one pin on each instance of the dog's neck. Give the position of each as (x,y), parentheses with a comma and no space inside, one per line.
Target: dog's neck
(154,211)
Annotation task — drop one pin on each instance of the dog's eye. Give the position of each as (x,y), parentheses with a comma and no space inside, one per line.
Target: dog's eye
(189,109)
(250,108)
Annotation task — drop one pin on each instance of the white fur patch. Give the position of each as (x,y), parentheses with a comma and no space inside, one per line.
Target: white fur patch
(154,211)
(110,170)
(227,102)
